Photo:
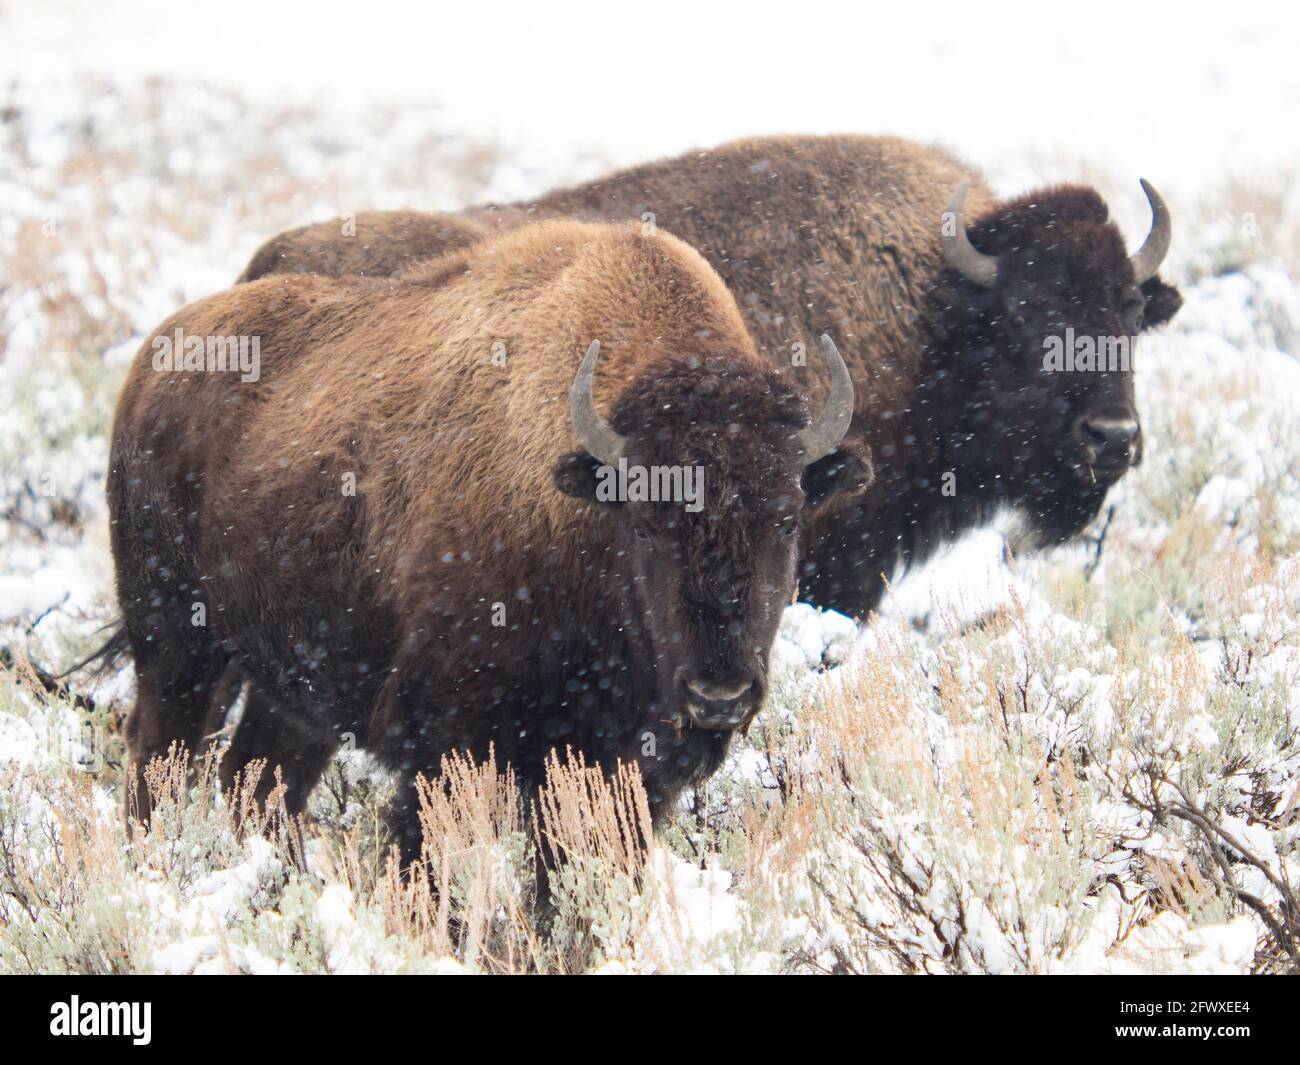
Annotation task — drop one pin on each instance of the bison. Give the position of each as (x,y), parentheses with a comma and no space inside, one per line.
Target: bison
(947,311)
(403,529)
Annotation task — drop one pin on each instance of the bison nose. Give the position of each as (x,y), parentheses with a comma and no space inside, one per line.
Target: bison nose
(1109,441)
(720,702)
(719,691)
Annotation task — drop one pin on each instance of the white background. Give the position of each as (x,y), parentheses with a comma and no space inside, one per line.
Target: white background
(1180,93)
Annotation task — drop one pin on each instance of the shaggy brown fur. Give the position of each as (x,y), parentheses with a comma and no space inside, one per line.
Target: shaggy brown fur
(841,234)
(458,600)
(371,244)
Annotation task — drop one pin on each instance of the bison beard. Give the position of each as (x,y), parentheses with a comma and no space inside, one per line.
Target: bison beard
(471,594)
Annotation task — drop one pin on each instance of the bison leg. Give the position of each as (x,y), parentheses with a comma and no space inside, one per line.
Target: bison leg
(270,733)
(174,690)
(403,821)
(224,696)
(178,657)
(403,733)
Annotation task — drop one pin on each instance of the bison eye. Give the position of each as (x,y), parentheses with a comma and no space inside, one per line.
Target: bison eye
(640,533)
(789,529)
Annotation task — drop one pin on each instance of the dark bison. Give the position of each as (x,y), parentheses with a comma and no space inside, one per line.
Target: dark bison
(401,529)
(944,309)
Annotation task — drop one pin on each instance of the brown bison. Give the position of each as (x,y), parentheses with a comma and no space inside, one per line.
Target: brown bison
(403,529)
(945,310)
(371,244)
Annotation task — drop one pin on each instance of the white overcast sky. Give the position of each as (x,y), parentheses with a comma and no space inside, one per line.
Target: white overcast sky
(1181,93)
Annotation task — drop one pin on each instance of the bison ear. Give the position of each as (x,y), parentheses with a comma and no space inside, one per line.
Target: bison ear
(1163,302)
(844,473)
(578,475)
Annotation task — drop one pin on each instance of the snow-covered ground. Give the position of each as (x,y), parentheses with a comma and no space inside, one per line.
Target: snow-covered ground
(1003,773)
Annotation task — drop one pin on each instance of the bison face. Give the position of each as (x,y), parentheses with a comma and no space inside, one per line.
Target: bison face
(711,587)
(1051,374)
(704,504)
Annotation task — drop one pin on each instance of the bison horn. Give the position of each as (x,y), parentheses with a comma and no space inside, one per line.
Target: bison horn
(958,251)
(1147,259)
(825,434)
(592,430)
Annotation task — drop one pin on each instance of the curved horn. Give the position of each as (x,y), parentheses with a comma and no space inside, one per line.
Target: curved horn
(825,434)
(592,430)
(958,251)
(1147,259)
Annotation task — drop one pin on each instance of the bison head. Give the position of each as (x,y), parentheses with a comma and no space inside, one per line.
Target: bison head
(1048,373)
(710,561)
